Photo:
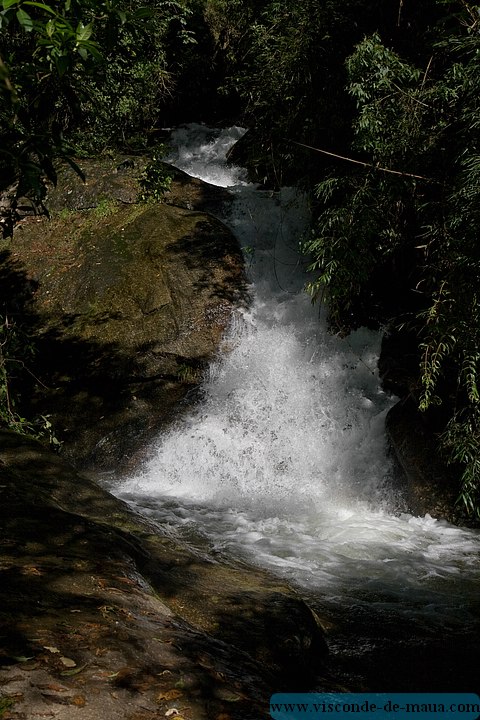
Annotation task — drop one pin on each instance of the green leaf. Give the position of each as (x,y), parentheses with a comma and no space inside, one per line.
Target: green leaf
(42,6)
(25,20)
(92,48)
(8,3)
(83,32)
(62,63)
(142,12)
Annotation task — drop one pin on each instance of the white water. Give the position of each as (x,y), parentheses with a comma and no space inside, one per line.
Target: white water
(284,462)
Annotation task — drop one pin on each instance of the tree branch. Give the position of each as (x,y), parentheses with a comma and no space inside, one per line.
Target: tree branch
(360,162)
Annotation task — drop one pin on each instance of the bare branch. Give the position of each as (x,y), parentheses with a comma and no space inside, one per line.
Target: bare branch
(364,164)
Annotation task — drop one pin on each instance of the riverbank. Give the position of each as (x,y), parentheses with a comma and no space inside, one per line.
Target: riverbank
(105,613)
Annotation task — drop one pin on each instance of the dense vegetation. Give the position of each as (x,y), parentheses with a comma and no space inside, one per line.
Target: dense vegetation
(371,106)
(414,234)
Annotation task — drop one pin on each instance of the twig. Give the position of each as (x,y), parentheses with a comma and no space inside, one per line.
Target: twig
(411,97)
(24,367)
(364,164)
(426,72)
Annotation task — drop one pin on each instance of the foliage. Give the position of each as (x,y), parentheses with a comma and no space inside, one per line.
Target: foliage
(364,220)
(79,74)
(17,350)
(41,46)
(122,101)
(74,75)
(356,241)
(277,62)
(413,234)
(156,179)
(285,61)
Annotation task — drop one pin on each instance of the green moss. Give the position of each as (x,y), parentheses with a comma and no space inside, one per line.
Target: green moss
(65,214)
(5,704)
(105,208)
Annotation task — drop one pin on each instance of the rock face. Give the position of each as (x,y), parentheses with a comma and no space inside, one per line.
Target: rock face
(127,302)
(430,487)
(103,616)
(428,484)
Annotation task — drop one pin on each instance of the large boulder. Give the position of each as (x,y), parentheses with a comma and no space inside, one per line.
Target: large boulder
(104,616)
(126,303)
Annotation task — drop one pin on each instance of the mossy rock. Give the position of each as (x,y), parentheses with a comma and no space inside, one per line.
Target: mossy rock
(126,305)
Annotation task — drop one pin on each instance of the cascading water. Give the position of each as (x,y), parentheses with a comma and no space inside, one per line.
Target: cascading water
(284,462)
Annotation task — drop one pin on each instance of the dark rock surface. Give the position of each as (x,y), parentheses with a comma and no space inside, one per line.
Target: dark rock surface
(430,486)
(118,178)
(428,483)
(103,616)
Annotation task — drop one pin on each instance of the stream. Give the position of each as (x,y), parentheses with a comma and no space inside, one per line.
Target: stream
(284,464)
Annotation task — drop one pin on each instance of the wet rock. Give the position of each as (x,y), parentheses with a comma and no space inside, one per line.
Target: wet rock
(430,486)
(194,194)
(102,615)
(119,178)
(96,181)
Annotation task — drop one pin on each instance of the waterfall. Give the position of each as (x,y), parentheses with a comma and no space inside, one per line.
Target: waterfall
(284,462)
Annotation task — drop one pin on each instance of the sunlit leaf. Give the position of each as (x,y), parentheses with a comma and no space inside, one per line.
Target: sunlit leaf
(83,32)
